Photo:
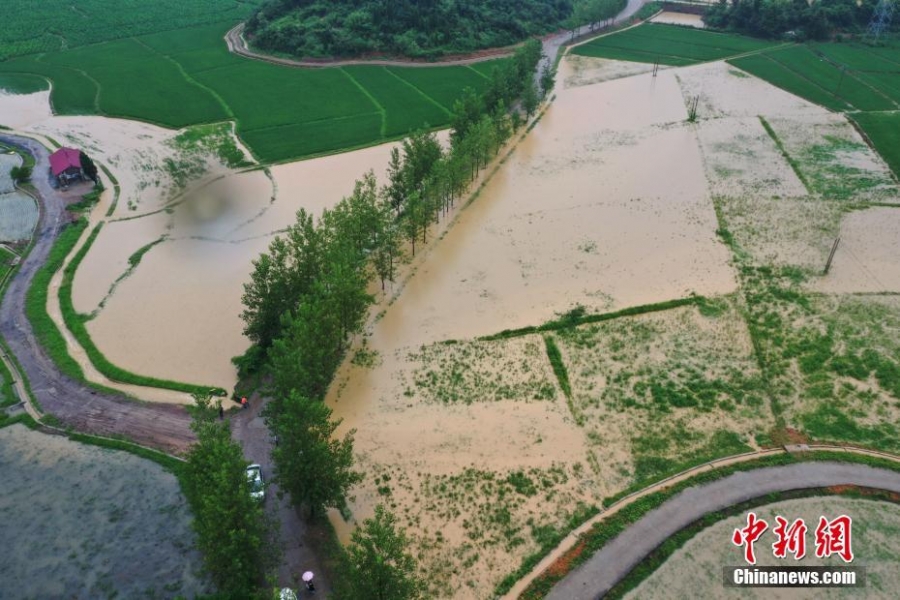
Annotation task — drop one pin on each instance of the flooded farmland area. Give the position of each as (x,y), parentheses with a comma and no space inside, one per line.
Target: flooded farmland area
(614,199)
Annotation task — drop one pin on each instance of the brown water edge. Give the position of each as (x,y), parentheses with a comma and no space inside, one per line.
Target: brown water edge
(85,522)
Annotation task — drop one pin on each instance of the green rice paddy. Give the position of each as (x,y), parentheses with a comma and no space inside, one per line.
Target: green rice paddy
(670,45)
(187,76)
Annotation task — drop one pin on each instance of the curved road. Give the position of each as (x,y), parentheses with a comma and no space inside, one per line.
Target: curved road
(615,560)
(161,426)
(236,43)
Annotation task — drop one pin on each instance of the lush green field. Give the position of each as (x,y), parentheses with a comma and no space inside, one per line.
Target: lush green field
(22,83)
(187,76)
(776,73)
(30,26)
(669,45)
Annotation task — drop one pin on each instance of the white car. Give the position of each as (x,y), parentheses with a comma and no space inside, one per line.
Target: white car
(257,486)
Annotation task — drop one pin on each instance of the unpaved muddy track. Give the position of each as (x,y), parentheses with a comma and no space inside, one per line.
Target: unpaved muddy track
(161,426)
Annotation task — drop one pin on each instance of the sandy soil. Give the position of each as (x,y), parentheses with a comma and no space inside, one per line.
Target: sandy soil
(696,569)
(616,367)
(676,18)
(577,70)
(83,522)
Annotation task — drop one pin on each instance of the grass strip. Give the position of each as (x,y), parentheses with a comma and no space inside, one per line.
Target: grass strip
(577,316)
(559,367)
(48,335)
(784,153)
(605,531)
(23,418)
(75,322)
(658,557)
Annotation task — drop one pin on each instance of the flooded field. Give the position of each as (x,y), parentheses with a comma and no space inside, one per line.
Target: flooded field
(176,314)
(83,522)
(875,528)
(677,18)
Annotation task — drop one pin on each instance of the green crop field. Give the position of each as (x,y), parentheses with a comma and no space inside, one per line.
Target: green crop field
(22,83)
(187,76)
(402,110)
(49,25)
(669,45)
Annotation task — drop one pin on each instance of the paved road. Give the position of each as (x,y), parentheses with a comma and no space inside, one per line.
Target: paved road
(552,44)
(162,426)
(595,577)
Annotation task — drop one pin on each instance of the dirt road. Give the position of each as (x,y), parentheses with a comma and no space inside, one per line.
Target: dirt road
(615,560)
(249,428)
(156,425)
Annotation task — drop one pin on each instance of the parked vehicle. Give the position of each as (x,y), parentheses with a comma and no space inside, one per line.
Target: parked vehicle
(257,485)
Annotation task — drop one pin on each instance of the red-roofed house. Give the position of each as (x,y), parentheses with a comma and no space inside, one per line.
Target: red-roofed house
(65,164)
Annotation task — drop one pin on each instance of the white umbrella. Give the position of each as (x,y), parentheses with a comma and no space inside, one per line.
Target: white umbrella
(307,577)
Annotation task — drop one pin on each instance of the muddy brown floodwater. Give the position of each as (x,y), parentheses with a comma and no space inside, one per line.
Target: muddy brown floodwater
(84,522)
(177,314)
(604,204)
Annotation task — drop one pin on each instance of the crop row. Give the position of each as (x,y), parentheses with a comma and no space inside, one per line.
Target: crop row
(185,77)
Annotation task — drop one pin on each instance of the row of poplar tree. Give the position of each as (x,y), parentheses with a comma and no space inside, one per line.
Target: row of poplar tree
(308,295)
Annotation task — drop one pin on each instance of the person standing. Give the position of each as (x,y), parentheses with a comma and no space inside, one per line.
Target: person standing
(244,403)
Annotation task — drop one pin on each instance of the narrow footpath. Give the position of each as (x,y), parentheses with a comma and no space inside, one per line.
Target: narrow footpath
(161,426)
(615,560)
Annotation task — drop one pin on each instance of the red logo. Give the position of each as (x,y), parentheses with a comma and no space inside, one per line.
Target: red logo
(748,535)
(790,539)
(833,537)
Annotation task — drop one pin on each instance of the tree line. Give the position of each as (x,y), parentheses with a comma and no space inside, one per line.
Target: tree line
(773,18)
(307,296)
(414,28)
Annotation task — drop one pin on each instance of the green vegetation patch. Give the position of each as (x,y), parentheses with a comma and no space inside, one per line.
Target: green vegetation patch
(831,78)
(22,83)
(404,109)
(777,74)
(477,371)
(73,93)
(30,27)
(278,144)
(669,45)
(188,77)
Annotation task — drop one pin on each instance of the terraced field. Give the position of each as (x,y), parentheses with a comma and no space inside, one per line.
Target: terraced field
(282,113)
